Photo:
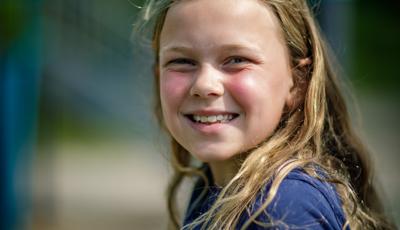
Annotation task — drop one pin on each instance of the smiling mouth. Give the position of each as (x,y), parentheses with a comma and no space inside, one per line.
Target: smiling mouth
(212,119)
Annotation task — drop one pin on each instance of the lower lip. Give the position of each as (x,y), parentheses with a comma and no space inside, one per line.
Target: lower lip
(209,128)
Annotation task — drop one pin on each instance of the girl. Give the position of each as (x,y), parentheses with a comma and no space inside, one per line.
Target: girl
(247,88)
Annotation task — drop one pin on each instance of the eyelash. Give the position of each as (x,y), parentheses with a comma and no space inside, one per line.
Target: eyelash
(235,58)
(181,61)
(233,61)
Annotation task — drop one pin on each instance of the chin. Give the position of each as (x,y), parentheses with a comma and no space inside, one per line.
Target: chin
(213,156)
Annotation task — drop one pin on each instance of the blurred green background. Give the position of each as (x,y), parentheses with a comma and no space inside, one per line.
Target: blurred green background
(79,144)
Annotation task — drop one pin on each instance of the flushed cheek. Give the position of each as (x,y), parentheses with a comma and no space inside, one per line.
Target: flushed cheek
(173,89)
(245,91)
(261,99)
(256,91)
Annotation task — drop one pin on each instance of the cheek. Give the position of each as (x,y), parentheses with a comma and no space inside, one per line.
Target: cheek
(173,88)
(246,90)
(258,95)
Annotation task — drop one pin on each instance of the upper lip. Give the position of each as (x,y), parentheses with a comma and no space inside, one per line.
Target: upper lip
(209,112)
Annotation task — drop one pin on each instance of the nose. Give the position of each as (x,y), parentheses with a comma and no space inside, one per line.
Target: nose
(207,83)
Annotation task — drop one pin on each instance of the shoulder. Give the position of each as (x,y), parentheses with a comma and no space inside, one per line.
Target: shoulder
(303,202)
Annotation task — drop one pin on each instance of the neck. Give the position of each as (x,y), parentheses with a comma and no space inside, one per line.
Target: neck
(224,171)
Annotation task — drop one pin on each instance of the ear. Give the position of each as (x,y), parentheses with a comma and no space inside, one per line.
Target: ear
(304,62)
(299,86)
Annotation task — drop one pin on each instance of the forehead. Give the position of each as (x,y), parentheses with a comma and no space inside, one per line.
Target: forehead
(219,20)
(224,9)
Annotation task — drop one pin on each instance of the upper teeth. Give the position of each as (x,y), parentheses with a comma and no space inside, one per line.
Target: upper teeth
(213,118)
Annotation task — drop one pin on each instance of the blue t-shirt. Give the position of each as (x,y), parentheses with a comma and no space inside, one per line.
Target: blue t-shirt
(302,202)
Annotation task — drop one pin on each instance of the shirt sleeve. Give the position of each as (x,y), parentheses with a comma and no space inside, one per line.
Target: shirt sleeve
(301,204)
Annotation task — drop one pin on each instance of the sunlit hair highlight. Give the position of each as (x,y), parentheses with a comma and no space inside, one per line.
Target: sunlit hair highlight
(314,133)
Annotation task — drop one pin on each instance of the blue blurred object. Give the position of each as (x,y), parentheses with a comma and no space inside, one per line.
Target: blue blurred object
(19,87)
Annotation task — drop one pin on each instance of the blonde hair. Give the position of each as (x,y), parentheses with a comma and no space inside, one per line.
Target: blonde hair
(316,132)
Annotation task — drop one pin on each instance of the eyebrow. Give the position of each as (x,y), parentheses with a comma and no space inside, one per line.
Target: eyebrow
(175,49)
(225,48)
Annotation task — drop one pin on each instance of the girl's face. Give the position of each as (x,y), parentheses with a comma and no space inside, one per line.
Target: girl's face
(224,76)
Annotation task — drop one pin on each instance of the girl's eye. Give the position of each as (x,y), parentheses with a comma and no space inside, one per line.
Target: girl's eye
(181,65)
(237,60)
(181,61)
(237,63)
